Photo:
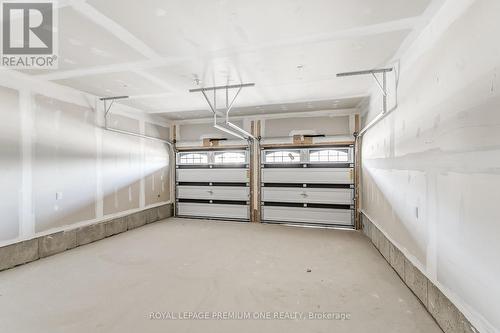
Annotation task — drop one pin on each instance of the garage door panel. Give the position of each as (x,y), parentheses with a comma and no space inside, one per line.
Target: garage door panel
(213,192)
(308,195)
(307,215)
(212,175)
(212,210)
(308,185)
(213,184)
(308,175)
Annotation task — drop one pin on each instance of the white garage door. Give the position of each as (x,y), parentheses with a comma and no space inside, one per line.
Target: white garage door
(213,184)
(313,186)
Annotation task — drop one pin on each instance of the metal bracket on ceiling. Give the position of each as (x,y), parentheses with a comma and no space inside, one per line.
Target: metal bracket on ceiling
(108,108)
(382,85)
(106,127)
(241,133)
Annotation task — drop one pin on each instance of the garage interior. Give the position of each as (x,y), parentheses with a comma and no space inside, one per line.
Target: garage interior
(220,166)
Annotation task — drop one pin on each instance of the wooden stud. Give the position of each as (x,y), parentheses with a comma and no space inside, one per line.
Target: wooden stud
(210,143)
(250,174)
(257,211)
(357,170)
(187,148)
(173,173)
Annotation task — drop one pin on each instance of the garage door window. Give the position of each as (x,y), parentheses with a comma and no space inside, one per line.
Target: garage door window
(230,157)
(282,156)
(329,155)
(193,158)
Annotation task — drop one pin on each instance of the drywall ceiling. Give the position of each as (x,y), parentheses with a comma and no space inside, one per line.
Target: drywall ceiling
(334,104)
(156,50)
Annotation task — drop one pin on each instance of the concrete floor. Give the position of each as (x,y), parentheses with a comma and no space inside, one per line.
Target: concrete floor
(192,265)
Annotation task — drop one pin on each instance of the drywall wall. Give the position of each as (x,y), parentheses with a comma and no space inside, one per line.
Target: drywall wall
(121,166)
(63,153)
(431,179)
(279,127)
(11,162)
(60,169)
(312,125)
(157,180)
(194,131)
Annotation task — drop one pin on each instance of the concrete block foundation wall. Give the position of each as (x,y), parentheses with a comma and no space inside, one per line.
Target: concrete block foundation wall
(448,317)
(60,169)
(30,250)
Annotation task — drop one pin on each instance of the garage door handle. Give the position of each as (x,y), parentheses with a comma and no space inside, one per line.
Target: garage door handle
(210,192)
(304,195)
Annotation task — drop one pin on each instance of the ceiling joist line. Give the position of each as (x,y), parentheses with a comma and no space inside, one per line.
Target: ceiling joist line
(107,109)
(238,131)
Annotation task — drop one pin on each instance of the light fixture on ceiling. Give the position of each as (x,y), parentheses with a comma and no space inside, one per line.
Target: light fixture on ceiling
(300,69)
(196,79)
(160,12)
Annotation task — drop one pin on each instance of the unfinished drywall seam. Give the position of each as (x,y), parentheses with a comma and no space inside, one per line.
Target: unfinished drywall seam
(27,218)
(156,60)
(425,17)
(448,13)
(142,181)
(99,121)
(307,114)
(125,36)
(17,80)
(432,225)
(114,28)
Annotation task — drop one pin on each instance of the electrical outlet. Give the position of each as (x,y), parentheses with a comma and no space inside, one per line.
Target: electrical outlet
(59,195)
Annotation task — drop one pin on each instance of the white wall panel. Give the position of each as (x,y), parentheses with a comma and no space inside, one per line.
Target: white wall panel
(212,210)
(212,175)
(11,164)
(214,192)
(307,215)
(308,175)
(318,125)
(308,195)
